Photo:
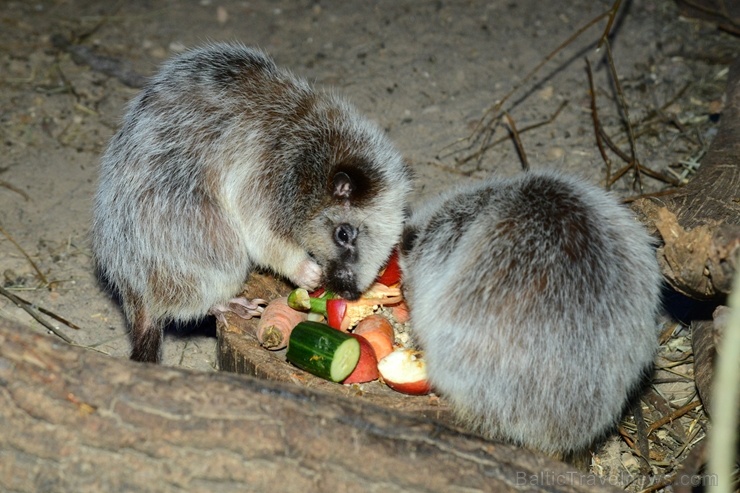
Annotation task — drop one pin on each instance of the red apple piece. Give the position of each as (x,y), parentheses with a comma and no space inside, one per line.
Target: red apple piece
(367,367)
(404,370)
(379,333)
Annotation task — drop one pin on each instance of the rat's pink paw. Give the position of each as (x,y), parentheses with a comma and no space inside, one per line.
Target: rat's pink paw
(308,275)
(241,307)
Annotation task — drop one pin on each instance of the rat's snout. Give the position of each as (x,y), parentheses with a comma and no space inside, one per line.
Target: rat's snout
(341,275)
(345,236)
(342,281)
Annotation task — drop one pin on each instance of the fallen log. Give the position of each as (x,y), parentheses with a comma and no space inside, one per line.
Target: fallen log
(75,420)
(699,224)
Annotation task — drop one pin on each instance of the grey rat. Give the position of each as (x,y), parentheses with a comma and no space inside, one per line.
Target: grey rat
(225,163)
(535,302)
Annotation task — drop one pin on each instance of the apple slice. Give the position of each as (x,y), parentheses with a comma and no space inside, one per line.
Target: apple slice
(379,333)
(367,367)
(405,371)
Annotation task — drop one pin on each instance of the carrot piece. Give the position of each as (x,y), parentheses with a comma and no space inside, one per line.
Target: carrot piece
(276,324)
(379,333)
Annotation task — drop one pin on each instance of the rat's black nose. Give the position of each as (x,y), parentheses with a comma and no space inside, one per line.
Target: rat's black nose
(342,281)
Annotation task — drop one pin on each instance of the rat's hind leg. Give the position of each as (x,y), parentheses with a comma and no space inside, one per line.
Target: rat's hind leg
(146,332)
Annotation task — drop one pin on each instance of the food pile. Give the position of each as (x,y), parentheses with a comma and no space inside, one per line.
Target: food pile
(347,341)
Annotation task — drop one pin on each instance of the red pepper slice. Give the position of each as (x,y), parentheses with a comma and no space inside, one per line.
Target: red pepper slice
(392,273)
(335,311)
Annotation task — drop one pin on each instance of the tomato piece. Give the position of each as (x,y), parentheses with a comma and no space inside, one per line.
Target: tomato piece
(392,273)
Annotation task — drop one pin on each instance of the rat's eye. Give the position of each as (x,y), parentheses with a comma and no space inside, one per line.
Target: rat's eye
(345,235)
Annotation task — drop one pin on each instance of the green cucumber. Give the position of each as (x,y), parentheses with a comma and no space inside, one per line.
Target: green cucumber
(323,351)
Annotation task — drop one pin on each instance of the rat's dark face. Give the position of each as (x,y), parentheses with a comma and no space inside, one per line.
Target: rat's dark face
(340,271)
(352,238)
(342,235)
(361,184)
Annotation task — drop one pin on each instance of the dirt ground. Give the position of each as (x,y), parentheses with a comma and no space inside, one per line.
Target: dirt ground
(426,71)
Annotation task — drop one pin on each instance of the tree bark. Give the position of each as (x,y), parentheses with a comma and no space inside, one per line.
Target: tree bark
(700,224)
(75,420)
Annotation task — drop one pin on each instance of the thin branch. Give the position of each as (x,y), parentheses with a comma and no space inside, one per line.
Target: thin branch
(51,314)
(31,311)
(625,113)
(674,416)
(612,15)
(533,126)
(40,274)
(662,193)
(484,125)
(15,189)
(518,142)
(597,124)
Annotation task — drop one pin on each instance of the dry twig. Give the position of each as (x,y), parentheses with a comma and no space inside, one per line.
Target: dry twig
(673,416)
(40,274)
(533,126)
(15,189)
(633,161)
(597,125)
(31,311)
(51,314)
(517,141)
(484,129)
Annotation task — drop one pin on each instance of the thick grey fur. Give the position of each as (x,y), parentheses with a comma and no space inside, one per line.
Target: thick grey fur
(226,162)
(535,300)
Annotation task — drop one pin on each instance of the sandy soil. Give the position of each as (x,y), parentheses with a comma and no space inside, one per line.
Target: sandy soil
(427,71)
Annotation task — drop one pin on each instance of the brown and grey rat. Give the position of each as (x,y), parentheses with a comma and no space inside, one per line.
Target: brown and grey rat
(225,163)
(535,301)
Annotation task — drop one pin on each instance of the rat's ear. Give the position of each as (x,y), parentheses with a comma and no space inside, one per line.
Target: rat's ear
(355,180)
(343,186)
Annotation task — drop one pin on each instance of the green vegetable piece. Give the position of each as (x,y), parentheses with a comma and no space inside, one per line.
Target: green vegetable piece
(299,299)
(323,351)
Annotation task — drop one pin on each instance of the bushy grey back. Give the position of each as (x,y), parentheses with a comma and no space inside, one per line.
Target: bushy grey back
(535,300)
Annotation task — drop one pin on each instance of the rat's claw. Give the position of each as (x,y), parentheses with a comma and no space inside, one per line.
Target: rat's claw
(247,308)
(241,307)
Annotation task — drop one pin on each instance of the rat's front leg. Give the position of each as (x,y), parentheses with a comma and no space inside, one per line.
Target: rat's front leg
(290,260)
(293,263)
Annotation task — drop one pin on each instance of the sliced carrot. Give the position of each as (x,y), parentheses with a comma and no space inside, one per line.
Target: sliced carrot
(379,333)
(276,324)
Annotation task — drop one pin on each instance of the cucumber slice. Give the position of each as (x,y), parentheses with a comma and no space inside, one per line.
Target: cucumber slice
(323,351)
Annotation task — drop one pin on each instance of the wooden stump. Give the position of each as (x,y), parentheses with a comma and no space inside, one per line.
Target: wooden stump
(238,351)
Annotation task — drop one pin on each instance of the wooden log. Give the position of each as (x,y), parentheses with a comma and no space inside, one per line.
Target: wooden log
(76,420)
(705,356)
(699,224)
